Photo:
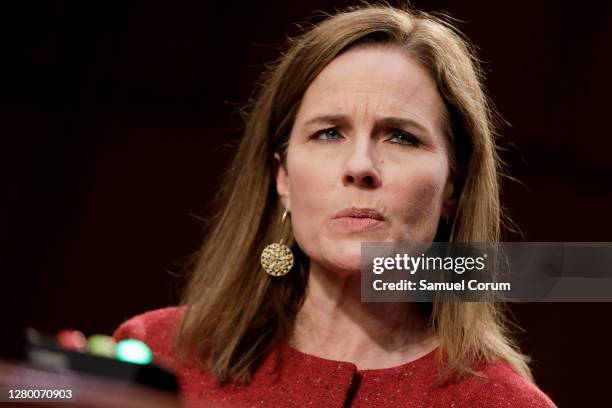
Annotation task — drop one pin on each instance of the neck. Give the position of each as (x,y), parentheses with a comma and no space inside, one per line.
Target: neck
(334,324)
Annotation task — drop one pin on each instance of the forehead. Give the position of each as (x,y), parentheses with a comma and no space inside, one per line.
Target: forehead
(381,80)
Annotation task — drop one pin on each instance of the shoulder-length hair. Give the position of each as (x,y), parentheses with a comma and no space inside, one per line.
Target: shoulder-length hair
(236,312)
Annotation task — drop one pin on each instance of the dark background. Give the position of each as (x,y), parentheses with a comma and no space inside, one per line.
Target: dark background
(117,119)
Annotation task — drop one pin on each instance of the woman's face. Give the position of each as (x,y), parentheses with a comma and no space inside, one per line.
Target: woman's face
(367,158)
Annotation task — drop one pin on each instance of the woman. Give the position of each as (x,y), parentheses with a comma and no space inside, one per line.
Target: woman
(373,126)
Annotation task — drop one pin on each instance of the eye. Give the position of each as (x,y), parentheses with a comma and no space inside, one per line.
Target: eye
(404,138)
(327,135)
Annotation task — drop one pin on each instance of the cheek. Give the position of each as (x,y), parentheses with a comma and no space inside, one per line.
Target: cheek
(417,197)
(307,188)
(310,178)
(305,185)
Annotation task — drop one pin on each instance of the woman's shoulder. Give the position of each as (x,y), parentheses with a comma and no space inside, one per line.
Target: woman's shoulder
(156,328)
(150,323)
(501,386)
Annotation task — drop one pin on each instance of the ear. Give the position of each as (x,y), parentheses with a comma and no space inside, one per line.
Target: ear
(282,183)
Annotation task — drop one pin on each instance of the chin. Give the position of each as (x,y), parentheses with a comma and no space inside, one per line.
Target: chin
(345,257)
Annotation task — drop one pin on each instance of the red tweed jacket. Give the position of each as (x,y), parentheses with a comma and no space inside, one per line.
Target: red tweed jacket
(307,381)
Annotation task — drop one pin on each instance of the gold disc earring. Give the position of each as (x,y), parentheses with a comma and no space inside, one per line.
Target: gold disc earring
(277,258)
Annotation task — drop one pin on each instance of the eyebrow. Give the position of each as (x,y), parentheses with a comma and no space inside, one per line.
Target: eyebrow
(387,121)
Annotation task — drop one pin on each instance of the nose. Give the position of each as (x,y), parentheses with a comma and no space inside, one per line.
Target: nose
(360,168)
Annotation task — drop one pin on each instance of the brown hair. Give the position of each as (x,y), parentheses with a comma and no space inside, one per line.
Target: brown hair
(236,312)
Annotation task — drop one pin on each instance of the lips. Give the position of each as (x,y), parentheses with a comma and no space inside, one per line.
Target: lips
(355,212)
(358,219)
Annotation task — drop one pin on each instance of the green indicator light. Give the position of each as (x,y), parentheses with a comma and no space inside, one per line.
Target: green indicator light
(101,345)
(133,351)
